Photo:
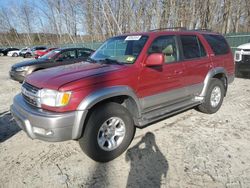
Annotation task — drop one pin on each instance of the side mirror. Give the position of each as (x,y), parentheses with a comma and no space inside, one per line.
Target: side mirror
(155,59)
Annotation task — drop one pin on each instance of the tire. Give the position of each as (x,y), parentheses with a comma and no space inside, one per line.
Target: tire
(96,144)
(27,55)
(14,55)
(215,89)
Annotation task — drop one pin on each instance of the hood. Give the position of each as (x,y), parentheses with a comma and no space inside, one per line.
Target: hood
(56,77)
(30,62)
(244,46)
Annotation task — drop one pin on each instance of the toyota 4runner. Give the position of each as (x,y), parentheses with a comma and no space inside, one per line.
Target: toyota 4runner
(131,81)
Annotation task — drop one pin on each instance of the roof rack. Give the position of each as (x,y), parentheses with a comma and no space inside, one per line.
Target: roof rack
(181,29)
(170,28)
(203,29)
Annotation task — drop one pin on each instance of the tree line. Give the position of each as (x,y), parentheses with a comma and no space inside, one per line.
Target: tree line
(72,21)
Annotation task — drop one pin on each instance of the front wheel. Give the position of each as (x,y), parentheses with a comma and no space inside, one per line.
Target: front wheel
(214,97)
(109,131)
(15,55)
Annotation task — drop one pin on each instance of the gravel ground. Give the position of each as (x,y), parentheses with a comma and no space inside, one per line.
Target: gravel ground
(188,150)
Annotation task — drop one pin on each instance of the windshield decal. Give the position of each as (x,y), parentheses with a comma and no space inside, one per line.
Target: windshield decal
(130,59)
(134,37)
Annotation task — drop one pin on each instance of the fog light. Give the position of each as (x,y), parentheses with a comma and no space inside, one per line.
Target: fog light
(42,131)
(49,133)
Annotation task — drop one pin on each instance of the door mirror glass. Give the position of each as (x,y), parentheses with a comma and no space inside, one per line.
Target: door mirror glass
(155,59)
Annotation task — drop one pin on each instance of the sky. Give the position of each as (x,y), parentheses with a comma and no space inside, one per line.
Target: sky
(8,3)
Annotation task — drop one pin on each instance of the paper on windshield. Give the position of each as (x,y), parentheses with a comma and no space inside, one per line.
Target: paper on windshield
(134,37)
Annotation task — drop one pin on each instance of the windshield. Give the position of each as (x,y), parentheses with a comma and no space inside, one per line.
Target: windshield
(51,54)
(122,49)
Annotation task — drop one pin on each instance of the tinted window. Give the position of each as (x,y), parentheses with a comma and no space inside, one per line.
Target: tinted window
(218,44)
(70,54)
(165,45)
(192,47)
(84,53)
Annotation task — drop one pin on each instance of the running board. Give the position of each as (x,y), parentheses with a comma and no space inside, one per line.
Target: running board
(162,113)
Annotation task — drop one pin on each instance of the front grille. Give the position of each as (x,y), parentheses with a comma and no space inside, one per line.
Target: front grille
(246,58)
(30,94)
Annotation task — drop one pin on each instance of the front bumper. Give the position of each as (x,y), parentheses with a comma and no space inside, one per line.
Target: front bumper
(242,67)
(45,125)
(17,76)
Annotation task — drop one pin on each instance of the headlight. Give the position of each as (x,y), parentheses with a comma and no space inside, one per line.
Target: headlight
(54,98)
(20,69)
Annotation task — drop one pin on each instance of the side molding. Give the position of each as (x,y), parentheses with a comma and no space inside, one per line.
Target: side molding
(210,75)
(106,93)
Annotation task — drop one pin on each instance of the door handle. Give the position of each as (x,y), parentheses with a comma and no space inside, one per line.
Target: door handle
(178,72)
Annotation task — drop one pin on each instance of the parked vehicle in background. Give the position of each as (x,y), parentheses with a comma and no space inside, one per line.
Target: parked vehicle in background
(131,81)
(6,50)
(39,53)
(242,60)
(63,56)
(22,51)
(16,53)
(30,51)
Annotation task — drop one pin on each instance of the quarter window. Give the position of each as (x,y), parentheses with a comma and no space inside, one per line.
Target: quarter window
(192,47)
(217,43)
(165,45)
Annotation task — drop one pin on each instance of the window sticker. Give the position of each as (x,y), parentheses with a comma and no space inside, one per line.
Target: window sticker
(130,59)
(134,37)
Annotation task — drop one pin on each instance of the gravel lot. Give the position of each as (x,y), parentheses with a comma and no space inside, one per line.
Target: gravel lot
(188,150)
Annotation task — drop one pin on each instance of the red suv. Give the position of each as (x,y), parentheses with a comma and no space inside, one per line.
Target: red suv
(130,81)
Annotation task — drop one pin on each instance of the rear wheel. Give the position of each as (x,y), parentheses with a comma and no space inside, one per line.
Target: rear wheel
(214,97)
(108,133)
(27,55)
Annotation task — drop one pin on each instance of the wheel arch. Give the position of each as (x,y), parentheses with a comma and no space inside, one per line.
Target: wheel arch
(123,95)
(219,73)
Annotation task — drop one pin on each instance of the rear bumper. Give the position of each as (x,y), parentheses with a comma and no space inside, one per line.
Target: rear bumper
(45,125)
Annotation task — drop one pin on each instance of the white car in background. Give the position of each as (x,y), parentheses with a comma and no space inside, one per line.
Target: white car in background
(16,53)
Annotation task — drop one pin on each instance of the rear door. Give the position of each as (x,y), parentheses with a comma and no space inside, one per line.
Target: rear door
(196,62)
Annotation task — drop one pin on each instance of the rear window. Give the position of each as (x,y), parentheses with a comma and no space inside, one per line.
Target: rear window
(192,47)
(217,43)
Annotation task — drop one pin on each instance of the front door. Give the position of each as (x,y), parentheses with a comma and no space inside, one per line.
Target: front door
(162,85)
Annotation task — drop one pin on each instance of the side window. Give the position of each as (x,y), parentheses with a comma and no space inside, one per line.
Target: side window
(192,47)
(165,45)
(70,54)
(217,43)
(83,53)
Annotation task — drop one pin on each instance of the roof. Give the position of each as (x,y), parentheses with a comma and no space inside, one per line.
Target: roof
(171,32)
(73,48)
